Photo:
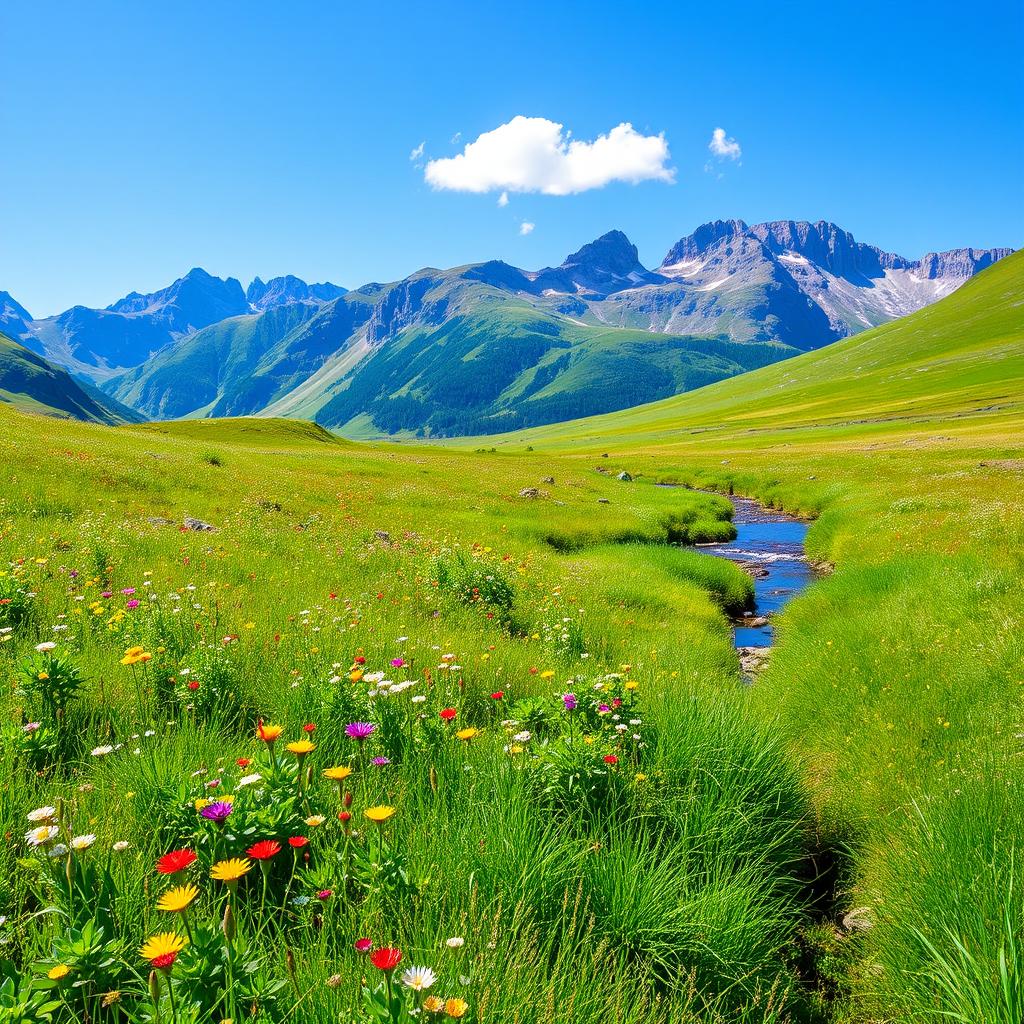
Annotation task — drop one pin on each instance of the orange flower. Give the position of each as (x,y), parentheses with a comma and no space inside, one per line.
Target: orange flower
(269,732)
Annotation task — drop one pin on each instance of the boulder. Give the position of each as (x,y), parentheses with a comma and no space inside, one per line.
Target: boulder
(625,477)
(196,524)
(529,492)
(548,480)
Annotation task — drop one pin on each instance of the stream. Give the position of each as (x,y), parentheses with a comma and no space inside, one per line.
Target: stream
(770,546)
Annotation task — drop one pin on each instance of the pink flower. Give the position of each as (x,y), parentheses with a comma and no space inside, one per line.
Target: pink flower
(363,945)
(132,604)
(397,662)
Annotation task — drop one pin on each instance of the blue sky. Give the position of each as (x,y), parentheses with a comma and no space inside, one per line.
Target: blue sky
(264,138)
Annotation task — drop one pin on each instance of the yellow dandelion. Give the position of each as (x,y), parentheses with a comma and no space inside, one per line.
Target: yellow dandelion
(379,814)
(456,1008)
(433,1004)
(314,820)
(57,972)
(338,773)
(632,684)
(467,734)
(161,950)
(175,900)
(300,748)
(547,674)
(230,870)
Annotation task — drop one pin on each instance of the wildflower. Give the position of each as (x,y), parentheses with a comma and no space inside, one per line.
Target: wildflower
(102,751)
(46,645)
(217,812)
(387,958)
(632,684)
(300,748)
(315,820)
(264,849)
(230,870)
(175,861)
(248,780)
(42,836)
(639,777)
(547,674)
(418,978)
(58,971)
(378,815)
(522,737)
(467,734)
(82,843)
(610,759)
(309,728)
(397,662)
(324,895)
(363,945)
(380,762)
(569,700)
(298,842)
(455,942)
(456,1008)
(42,814)
(497,695)
(333,981)
(120,846)
(359,731)
(269,732)
(162,950)
(448,713)
(243,762)
(175,900)
(111,997)
(338,773)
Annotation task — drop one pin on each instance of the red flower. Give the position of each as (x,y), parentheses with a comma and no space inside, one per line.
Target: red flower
(161,963)
(175,861)
(534,670)
(309,727)
(610,759)
(324,895)
(387,958)
(264,849)
(193,684)
(363,945)
(297,842)
(359,659)
(448,713)
(498,695)
(344,816)
(243,762)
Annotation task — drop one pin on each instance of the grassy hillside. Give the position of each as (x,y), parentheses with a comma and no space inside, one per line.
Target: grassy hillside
(898,678)
(28,382)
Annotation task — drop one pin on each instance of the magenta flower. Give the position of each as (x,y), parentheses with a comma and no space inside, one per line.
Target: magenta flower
(604,709)
(380,761)
(128,591)
(397,662)
(569,700)
(359,730)
(106,593)
(132,603)
(217,812)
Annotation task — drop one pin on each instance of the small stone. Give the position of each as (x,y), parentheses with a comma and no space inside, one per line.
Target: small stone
(196,524)
(383,536)
(603,501)
(548,480)
(625,477)
(529,492)
(159,521)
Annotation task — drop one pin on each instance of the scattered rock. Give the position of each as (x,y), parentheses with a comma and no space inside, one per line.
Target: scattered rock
(858,920)
(603,501)
(604,455)
(529,492)
(756,621)
(600,469)
(625,477)
(159,521)
(754,569)
(562,503)
(383,536)
(196,524)
(548,480)
(269,506)
(753,659)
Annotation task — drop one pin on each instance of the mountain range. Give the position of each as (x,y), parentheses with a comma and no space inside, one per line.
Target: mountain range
(488,347)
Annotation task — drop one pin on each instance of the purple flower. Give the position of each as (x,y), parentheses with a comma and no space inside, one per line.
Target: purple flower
(604,709)
(217,812)
(128,591)
(569,700)
(107,593)
(132,604)
(359,730)
(380,761)
(397,662)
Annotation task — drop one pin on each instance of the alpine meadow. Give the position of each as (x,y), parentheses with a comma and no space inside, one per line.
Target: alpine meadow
(634,635)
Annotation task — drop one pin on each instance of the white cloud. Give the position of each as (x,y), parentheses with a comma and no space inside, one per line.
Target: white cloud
(418,151)
(724,148)
(503,199)
(533,154)
(526,227)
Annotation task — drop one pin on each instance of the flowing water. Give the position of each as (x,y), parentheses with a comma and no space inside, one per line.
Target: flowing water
(769,545)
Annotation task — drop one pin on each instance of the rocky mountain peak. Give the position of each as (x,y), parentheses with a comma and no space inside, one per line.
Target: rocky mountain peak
(703,239)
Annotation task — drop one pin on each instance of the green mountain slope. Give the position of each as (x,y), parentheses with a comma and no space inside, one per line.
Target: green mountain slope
(962,356)
(30,383)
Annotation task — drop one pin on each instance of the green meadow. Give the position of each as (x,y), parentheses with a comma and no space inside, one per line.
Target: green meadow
(570,807)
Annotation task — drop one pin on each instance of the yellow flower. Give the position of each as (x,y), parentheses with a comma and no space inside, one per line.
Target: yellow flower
(338,773)
(547,674)
(433,1004)
(160,950)
(456,1008)
(589,740)
(640,777)
(632,684)
(58,972)
(379,814)
(467,734)
(201,803)
(355,675)
(230,870)
(315,819)
(177,899)
(300,748)
(43,675)
(269,732)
